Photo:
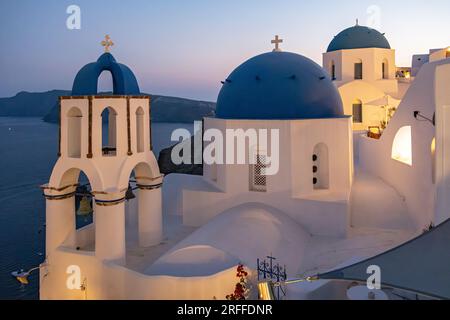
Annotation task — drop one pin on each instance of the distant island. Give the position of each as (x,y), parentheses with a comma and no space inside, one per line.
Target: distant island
(45,105)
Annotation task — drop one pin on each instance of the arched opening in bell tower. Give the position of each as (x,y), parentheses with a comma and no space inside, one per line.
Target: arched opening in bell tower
(109,132)
(140,130)
(105,82)
(143,207)
(82,237)
(74,124)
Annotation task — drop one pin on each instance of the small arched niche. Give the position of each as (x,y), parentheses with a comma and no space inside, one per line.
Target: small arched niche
(321,167)
(109,132)
(140,141)
(74,123)
(402,146)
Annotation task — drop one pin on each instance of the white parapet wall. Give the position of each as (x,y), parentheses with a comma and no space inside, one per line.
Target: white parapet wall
(107,280)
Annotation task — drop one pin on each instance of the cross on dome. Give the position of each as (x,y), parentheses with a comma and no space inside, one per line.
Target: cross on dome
(107,43)
(277,42)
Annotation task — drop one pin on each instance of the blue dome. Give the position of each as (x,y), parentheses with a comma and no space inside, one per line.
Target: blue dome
(124,81)
(358,37)
(279,85)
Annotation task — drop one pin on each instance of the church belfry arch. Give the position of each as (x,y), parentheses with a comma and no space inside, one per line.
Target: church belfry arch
(74,127)
(109,131)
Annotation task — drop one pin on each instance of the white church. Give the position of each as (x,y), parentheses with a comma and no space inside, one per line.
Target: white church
(339,196)
(361,63)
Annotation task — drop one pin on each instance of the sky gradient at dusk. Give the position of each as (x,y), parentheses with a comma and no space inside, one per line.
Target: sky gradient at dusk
(185,48)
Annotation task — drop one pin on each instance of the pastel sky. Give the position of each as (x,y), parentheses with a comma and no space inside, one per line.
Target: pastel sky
(186,47)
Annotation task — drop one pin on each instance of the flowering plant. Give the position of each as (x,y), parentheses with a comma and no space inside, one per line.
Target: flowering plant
(241,290)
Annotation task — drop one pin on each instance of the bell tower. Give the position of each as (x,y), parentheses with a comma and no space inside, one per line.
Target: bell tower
(108,138)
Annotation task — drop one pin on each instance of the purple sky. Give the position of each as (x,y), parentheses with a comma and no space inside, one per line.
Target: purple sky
(186,47)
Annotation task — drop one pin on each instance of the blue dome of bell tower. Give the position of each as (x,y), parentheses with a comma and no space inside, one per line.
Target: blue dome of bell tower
(124,81)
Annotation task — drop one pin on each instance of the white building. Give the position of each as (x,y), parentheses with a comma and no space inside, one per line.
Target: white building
(361,63)
(418,60)
(294,95)
(320,209)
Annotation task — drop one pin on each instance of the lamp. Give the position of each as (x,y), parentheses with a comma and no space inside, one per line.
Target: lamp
(265,291)
(266,288)
(418,115)
(22,276)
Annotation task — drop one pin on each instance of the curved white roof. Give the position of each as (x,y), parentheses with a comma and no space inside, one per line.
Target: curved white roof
(240,234)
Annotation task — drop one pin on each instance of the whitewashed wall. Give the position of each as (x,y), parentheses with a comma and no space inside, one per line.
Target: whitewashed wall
(414,182)
(108,281)
(323,212)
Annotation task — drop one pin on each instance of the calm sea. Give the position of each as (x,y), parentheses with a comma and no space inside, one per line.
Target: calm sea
(28,148)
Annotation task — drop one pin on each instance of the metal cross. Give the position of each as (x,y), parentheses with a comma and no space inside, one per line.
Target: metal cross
(107,43)
(277,42)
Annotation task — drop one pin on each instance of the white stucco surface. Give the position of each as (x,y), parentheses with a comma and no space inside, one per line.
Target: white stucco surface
(246,232)
(415,182)
(375,204)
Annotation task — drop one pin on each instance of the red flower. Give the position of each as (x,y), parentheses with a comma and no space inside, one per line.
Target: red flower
(241,287)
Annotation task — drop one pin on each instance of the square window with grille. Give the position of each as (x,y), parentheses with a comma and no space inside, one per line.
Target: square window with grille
(258,180)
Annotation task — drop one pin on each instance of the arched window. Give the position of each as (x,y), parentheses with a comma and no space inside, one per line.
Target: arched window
(357,111)
(109,132)
(74,117)
(433,160)
(333,70)
(385,69)
(140,130)
(358,69)
(402,146)
(320,167)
